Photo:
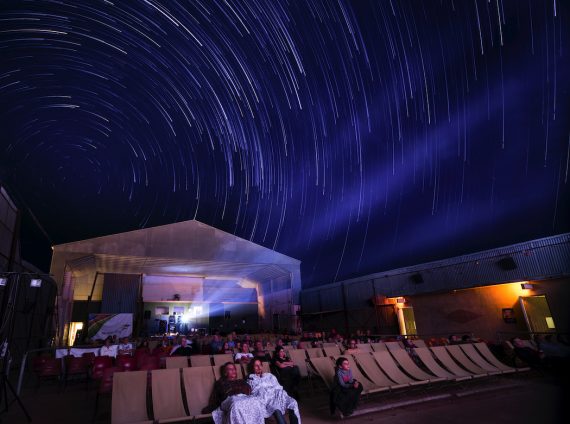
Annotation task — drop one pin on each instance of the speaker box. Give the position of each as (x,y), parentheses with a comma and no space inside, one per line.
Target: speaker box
(146,314)
(507,264)
(417,278)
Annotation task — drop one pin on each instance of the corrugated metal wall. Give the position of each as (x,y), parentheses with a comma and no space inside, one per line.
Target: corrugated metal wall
(120,293)
(533,260)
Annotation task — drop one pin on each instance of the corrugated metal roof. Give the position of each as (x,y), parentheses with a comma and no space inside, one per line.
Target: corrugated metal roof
(533,260)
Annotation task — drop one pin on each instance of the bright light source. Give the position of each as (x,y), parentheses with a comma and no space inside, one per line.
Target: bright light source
(527,286)
(36,282)
(3,281)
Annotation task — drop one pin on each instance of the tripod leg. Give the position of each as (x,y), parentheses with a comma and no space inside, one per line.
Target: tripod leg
(7,383)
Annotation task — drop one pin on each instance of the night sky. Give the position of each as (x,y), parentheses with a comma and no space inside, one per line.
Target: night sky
(357,136)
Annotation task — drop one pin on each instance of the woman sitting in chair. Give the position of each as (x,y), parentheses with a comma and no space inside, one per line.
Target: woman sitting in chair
(346,389)
(231,403)
(264,386)
(289,374)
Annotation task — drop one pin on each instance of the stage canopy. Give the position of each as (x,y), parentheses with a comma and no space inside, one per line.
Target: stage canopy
(189,259)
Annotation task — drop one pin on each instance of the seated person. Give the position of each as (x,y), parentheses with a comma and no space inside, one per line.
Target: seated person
(108,349)
(163,348)
(260,353)
(244,356)
(216,344)
(289,374)
(527,354)
(230,401)
(125,348)
(144,346)
(183,349)
(352,348)
(454,339)
(265,387)
(346,390)
(226,348)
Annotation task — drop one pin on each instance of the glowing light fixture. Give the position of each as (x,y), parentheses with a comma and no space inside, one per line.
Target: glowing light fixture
(36,282)
(527,286)
(3,281)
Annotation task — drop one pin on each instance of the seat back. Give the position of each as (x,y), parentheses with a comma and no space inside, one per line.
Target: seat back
(442,356)
(198,384)
(77,365)
(106,381)
(364,347)
(394,345)
(457,354)
(391,369)
(332,351)
(325,368)
(379,347)
(403,358)
(419,343)
(126,363)
(201,361)
(299,358)
(176,362)
(315,352)
(167,394)
(474,355)
(128,404)
(430,363)
(50,367)
(222,359)
(372,370)
(367,385)
(488,355)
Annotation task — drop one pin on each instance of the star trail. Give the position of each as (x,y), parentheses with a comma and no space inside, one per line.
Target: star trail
(356,136)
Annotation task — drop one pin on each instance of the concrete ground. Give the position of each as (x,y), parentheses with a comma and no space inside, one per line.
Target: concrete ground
(529,398)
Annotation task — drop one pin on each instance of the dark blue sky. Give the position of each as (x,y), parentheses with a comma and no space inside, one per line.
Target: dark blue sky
(355,136)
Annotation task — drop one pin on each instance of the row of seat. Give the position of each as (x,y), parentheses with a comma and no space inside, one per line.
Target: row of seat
(170,403)
(394,369)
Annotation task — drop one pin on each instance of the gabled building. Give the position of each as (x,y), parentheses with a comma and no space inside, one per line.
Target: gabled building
(200,276)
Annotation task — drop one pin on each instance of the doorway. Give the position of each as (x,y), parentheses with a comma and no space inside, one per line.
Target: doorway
(537,314)
(407,321)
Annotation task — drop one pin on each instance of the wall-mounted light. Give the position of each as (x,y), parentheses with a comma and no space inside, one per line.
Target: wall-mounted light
(527,286)
(401,300)
(36,282)
(3,281)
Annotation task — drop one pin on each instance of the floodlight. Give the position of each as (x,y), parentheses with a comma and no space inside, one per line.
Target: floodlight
(36,282)
(527,286)
(3,281)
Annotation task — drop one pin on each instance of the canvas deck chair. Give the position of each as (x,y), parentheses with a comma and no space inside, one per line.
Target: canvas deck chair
(367,385)
(364,347)
(447,361)
(325,369)
(198,384)
(419,343)
(410,367)
(379,347)
(167,401)
(176,362)
(332,351)
(430,363)
(128,405)
(474,355)
(394,346)
(488,355)
(299,358)
(222,358)
(201,361)
(374,373)
(466,363)
(315,352)
(328,344)
(391,369)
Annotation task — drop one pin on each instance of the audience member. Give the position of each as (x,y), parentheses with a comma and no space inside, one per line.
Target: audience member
(289,374)
(265,387)
(346,390)
(244,356)
(108,349)
(260,353)
(183,349)
(231,402)
(125,348)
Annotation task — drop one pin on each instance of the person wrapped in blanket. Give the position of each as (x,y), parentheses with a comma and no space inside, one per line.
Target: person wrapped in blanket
(231,403)
(346,390)
(264,386)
